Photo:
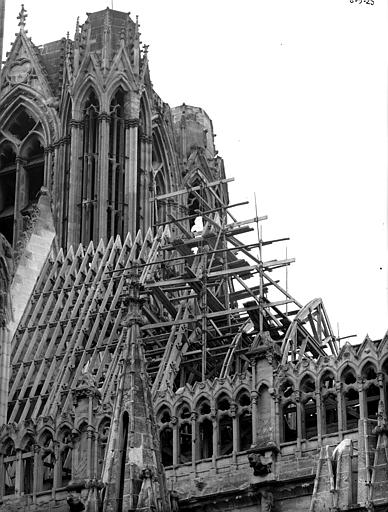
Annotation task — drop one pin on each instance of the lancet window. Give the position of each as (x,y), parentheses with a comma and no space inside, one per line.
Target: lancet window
(329,403)
(28,466)
(288,414)
(66,174)
(225,425)
(7,188)
(309,408)
(89,184)
(159,176)
(185,434)
(116,167)
(9,464)
(372,392)
(166,436)
(244,421)
(48,461)
(65,448)
(205,429)
(102,442)
(290,431)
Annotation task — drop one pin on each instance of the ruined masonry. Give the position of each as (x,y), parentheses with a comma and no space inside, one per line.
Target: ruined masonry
(151,358)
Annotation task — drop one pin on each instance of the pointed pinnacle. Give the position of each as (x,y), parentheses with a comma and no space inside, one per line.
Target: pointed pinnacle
(22,17)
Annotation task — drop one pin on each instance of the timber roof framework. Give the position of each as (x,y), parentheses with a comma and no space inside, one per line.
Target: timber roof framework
(207,300)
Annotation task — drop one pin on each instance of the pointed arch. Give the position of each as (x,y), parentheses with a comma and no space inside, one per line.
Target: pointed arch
(34,104)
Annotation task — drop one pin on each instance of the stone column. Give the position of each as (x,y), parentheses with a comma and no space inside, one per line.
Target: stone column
(254,397)
(37,473)
(340,411)
(193,418)
(298,419)
(175,440)
(48,168)
(380,383)
(102,176)
(361,398)
(318,406)
(4,370)
(147,188)
(233,412)
(75,183)
(19,200)
(57,468)
(130,195)
(19,472)
(215,437)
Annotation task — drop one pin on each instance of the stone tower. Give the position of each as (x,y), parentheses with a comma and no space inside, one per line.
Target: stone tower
(151,360)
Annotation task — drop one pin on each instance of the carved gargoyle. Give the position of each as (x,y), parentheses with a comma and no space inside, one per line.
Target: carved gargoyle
(262,457)
(261,465)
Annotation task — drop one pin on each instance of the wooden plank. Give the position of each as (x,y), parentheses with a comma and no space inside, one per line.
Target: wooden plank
(187,190)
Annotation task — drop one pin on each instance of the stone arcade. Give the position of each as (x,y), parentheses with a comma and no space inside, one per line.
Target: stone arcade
(151,360)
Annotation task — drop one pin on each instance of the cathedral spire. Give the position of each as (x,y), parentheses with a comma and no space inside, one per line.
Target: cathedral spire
(106,49)
(133,473)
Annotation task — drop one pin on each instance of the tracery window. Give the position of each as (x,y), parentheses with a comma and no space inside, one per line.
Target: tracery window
(309,408)
(290,431)
(116,167)
(48,461)
(89,185)
(10,463)
(352,408)
(28,466)
(330,413)
(329,403)
(372,395)
(205,429)
(225,425)
(66,174)
(348,376)
(21,171)
(7,188)
(244,420)
(66,446)
(185,434)
(102,442)
(166,436)
(33,158)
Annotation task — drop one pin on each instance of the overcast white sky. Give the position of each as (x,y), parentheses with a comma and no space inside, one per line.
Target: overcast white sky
(297,91)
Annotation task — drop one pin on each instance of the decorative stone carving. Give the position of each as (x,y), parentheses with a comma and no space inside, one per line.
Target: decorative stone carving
(266,501)
(19,72)
(148,494)
(75,503)
(261,459)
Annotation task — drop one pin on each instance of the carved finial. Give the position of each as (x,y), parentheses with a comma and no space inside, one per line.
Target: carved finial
(145,49)
(106,20)
(77,30)
(22,17)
